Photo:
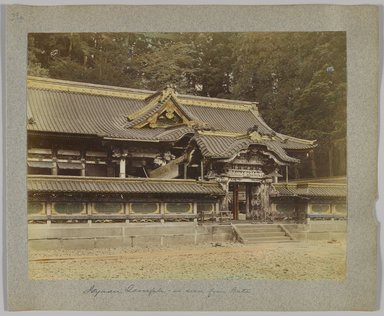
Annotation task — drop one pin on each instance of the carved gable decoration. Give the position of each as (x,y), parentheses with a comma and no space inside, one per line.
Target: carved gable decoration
(168,115)
(254,160)
(163,110)
(250,156)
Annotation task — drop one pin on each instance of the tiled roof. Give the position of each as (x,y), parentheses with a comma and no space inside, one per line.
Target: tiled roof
(221,146)
(76,113)
(146,115)
(226,147)
(156,134)
(79,108)
(276,147)
(174,133)
(292,145)
(321,180)
(228,120)
(117,185)
(312,190)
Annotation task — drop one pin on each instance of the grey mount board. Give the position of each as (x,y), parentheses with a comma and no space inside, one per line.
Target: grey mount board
(357,292)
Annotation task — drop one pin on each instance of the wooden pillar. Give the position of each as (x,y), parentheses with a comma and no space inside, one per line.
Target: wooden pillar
(54,163)
(88,206)
(309,211)
(49,211)
(286,173)
(194,208)
(126,210)
(248,197)
(83,167)
(162,211)
(201,170)
(185,171)
(83,162)
(122,167)
(54,170)
(235,201)
(54,167)
(217,211)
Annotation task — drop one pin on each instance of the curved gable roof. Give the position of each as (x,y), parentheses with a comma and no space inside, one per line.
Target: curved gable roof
(57,106)
(226,147)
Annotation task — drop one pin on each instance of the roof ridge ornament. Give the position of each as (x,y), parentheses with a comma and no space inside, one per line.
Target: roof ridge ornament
(169,89)
(254,133)
(164,94)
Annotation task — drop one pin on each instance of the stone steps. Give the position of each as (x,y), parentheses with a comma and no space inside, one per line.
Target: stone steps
(253,242)
(255,234)
(266,238)
(262,234)
(248,229)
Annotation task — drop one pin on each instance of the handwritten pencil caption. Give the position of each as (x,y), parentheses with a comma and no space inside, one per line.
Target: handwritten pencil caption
(152,291)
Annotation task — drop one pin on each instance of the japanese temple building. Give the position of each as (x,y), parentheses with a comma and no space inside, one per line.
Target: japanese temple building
(102,153)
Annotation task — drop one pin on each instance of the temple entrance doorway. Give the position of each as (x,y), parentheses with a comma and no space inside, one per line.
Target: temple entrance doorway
(248,201)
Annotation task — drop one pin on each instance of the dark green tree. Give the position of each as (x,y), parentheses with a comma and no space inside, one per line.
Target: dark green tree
(299,79)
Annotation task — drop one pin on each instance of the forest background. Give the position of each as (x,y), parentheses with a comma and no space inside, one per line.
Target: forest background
(298,79)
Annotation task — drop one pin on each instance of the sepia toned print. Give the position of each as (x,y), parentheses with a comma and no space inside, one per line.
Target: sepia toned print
(212,155)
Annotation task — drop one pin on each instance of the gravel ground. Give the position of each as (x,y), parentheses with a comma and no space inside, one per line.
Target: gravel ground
(310,260)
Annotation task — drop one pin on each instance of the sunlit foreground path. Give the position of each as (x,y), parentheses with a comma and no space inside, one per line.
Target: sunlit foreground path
(303,260)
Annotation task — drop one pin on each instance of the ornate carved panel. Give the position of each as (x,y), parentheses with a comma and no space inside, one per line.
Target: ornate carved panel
(237,171)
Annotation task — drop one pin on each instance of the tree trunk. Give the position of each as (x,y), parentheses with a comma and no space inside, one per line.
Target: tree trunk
(85,60)
(70,44)
(313,163)
(343,159)
(297,173)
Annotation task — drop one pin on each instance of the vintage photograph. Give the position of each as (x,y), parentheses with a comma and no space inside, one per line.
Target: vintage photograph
(187,156)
